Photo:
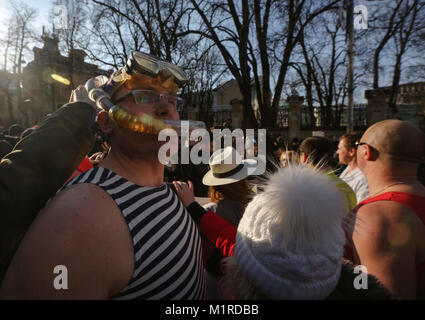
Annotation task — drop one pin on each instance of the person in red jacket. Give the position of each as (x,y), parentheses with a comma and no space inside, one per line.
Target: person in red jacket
(288,244)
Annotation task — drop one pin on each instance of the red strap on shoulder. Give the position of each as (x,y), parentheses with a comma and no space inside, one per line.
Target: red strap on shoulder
(384,196)
(414,202)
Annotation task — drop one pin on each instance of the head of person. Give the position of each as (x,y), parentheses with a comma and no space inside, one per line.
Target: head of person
(347,147)
(290,240)
(228,175)
(295,142)
(391,146)
(251,147)
(278,152)
(289,157)
(145,89)
(317,151)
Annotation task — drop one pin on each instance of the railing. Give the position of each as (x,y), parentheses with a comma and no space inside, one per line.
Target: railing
(360,117)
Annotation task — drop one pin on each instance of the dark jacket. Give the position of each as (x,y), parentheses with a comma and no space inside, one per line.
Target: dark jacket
(345,289)
(37,167)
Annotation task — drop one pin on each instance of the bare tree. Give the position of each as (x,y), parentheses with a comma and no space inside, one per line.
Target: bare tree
(204,68)
(255,37)
(155,24)
(390,24)
(396,29)
(323,69)
(160,28)
(411,24)
(73,35)
(20,35)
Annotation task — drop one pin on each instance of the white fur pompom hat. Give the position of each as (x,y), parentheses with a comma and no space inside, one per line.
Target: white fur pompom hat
(290,239)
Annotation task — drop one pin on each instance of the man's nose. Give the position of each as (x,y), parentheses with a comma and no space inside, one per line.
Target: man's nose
(164,107)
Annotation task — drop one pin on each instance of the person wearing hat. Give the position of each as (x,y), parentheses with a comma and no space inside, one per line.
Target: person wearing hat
(288,246)
(230,192)
(118,229)
(229,189)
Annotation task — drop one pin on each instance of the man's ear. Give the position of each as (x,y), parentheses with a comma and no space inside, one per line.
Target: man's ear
(367,153)
(352,152)
(105,123)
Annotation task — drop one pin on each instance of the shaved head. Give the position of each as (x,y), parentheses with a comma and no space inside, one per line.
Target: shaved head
(398,140)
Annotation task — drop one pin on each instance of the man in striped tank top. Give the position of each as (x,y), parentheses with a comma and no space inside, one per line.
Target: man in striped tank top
(389,233)
(118,230)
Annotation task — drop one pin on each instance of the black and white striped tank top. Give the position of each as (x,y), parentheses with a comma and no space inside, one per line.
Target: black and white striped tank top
(166,241)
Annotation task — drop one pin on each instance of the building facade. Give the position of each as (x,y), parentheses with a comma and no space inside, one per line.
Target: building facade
(49,79)
(227,104)
(410,102)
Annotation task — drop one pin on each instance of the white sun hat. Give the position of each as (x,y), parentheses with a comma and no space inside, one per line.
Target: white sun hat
(227,166)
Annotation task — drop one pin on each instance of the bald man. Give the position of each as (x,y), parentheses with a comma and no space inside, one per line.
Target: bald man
(389,233)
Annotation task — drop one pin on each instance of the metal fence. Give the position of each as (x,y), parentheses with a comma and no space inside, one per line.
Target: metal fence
(360,117)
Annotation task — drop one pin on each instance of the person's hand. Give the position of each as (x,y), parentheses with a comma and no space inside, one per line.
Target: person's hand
(81,94)
(97,157)
(185,192)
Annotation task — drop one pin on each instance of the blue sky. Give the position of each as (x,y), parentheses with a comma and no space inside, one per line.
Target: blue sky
(43,7)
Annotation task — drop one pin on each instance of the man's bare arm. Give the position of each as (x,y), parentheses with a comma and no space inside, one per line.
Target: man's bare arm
(386,246)
(83,230)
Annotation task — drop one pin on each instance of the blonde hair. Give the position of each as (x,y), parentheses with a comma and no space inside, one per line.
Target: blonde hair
(291,157)
(138,80)
(162,81)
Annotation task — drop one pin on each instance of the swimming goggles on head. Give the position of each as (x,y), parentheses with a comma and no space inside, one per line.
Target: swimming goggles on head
(140,64)
(147,64)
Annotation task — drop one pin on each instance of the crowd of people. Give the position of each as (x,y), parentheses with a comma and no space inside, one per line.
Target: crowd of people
(81,191)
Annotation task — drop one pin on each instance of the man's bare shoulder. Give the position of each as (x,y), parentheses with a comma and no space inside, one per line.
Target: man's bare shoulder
(83,205)
(80,196)
(385,241)
(82,229)
(385,213)
(387,222)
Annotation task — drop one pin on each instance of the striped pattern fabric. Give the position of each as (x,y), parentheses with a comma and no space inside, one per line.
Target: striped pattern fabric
(166,241)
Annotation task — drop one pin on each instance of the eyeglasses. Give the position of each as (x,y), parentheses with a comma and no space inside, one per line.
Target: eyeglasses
(358,143)
(146,97)
(145,63)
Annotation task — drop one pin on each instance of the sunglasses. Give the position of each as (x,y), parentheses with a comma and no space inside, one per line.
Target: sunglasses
(148,97)
(358,143)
